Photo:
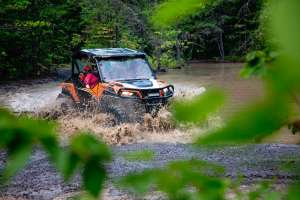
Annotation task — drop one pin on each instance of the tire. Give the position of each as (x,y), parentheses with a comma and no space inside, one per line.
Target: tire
(123,111)
(153,111)
(65,103)
(119,115)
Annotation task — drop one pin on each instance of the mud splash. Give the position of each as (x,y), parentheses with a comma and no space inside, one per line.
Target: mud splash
(29,97)
(161,129)
(39,99)
(158,129)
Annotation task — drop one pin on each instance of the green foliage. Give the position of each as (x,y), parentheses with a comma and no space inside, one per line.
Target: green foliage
(252,124)
(171,11)
(115,24)
(34,35)
(293,192)
(198,109)
(88,152)
(256,63)
(167,49)
(19,135)
(180,180)
(145,155)
(224,30)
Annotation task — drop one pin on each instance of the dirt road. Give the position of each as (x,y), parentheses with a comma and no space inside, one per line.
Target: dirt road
(254,162)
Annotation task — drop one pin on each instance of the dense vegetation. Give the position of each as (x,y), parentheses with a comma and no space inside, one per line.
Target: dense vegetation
(224,30)
(36,36)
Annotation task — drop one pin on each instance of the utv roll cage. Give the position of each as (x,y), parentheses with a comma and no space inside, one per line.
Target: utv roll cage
(104,54)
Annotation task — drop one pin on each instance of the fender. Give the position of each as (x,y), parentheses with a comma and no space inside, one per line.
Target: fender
(71,89)
(96,91)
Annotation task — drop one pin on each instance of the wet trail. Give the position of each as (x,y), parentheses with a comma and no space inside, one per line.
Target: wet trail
(254,163)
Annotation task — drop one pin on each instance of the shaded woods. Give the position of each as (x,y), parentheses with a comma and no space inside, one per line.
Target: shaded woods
(37,36)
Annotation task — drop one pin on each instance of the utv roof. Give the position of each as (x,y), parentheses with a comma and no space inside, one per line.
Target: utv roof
(112,52)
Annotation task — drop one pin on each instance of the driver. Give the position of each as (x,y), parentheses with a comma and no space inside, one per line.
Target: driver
(90,80)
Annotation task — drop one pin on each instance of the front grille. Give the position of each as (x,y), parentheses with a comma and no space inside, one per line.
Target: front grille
(151,93)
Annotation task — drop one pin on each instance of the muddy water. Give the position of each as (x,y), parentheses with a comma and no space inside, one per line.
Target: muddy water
(199,76)
(240,92)
(38,96)
(27,96)
(192,80)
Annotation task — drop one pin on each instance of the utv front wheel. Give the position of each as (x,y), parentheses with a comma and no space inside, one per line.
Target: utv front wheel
(65,103)
(119,116)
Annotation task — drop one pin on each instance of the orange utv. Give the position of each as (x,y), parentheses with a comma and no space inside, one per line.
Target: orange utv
(127,86)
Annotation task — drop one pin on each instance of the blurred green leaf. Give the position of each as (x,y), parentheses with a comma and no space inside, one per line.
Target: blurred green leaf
(92,154)
(284,74)
(141,182)
(51,146)
(69,165)
(87,147)
(198,109)
(171,11)
(17,159)
(93,177)
(293,192)
(252,124)
(180,180)
(256,64)
(20,134)
(285,27)
(145,155)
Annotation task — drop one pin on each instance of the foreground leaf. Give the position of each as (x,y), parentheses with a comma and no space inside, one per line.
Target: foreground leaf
(93,178)
(198,109)
(145,155)
(171,11)
(180,180)
(252,124)
(17,159)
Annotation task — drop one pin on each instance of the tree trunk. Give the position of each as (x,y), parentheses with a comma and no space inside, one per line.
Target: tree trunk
(221,45)
(178,52)
(158,56)
(34,52)
(117,36)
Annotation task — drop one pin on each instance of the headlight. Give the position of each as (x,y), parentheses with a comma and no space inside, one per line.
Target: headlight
(127,94)
(167,91)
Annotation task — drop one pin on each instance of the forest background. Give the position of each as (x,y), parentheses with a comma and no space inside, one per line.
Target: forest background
(37,36)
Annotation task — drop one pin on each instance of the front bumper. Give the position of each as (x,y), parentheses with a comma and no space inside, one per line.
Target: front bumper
(150,97)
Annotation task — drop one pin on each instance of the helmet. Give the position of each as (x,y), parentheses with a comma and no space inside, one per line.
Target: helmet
(87,68)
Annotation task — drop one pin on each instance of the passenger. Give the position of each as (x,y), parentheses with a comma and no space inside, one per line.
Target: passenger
(90,80)
(81,77)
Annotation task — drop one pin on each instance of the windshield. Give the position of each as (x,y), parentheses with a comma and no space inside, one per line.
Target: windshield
(125,69)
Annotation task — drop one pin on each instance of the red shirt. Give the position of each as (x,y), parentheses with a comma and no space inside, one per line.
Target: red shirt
(91,80)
